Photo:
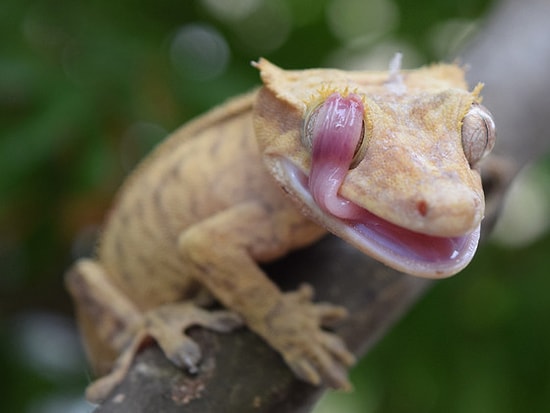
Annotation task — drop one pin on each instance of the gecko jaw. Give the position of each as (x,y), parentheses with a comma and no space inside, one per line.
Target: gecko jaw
(400,248)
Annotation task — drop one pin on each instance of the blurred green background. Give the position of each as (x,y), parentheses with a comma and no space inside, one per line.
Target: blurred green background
(86,89)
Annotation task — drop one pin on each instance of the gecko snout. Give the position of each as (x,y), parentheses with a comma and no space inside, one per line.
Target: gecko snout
(450,215)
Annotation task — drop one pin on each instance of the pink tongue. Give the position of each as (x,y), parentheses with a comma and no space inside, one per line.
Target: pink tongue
(336,134)
(409,244)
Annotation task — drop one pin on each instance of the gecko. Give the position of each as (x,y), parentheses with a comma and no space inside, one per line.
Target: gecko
(389,161)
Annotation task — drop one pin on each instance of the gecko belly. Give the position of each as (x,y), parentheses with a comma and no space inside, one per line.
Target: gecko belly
(400,248)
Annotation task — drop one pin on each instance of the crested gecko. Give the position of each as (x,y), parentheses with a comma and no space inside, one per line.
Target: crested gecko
(389,161)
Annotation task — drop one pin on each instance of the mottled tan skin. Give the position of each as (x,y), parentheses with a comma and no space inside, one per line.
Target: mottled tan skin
(203,210)
(414,152)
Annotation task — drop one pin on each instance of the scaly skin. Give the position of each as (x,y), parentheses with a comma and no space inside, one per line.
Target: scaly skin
(203,210)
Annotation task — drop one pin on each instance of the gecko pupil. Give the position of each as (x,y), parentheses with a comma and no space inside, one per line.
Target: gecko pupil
(478,134)
(359,149)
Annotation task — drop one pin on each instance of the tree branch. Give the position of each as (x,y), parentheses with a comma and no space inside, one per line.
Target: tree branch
(239,373)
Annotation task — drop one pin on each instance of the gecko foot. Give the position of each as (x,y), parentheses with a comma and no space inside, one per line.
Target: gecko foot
(294,328)
(166,325)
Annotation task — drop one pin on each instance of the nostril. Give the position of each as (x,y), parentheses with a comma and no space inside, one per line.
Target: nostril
(422,207)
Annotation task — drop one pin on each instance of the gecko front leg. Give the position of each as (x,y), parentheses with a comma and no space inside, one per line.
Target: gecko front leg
(222,253)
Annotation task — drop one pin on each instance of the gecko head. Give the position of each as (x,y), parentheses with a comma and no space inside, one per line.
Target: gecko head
(392,170)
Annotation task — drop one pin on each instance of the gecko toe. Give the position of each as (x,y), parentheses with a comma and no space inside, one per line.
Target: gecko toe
(305,370)
(167,325)
(329,314)
(303,294)
(223,321)
(338,349)
(186,354)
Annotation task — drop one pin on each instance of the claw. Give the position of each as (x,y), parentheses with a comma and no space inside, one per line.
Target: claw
(305,370)
(304,292)
(224,321)
(330,315)
(337,379)
(294,328)
(337,347)
(167,325)
(186,355)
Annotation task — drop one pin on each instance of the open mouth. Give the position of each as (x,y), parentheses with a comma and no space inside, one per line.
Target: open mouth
(400,248)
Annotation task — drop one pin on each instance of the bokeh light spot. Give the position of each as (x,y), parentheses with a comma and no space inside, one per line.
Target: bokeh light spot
(526,212)
(266,28)
(350,19)
(231,10)
(199,52)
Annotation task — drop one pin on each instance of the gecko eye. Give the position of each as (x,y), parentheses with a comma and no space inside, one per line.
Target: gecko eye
(311,130)
(360,148)
(478,134)
(309,126)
